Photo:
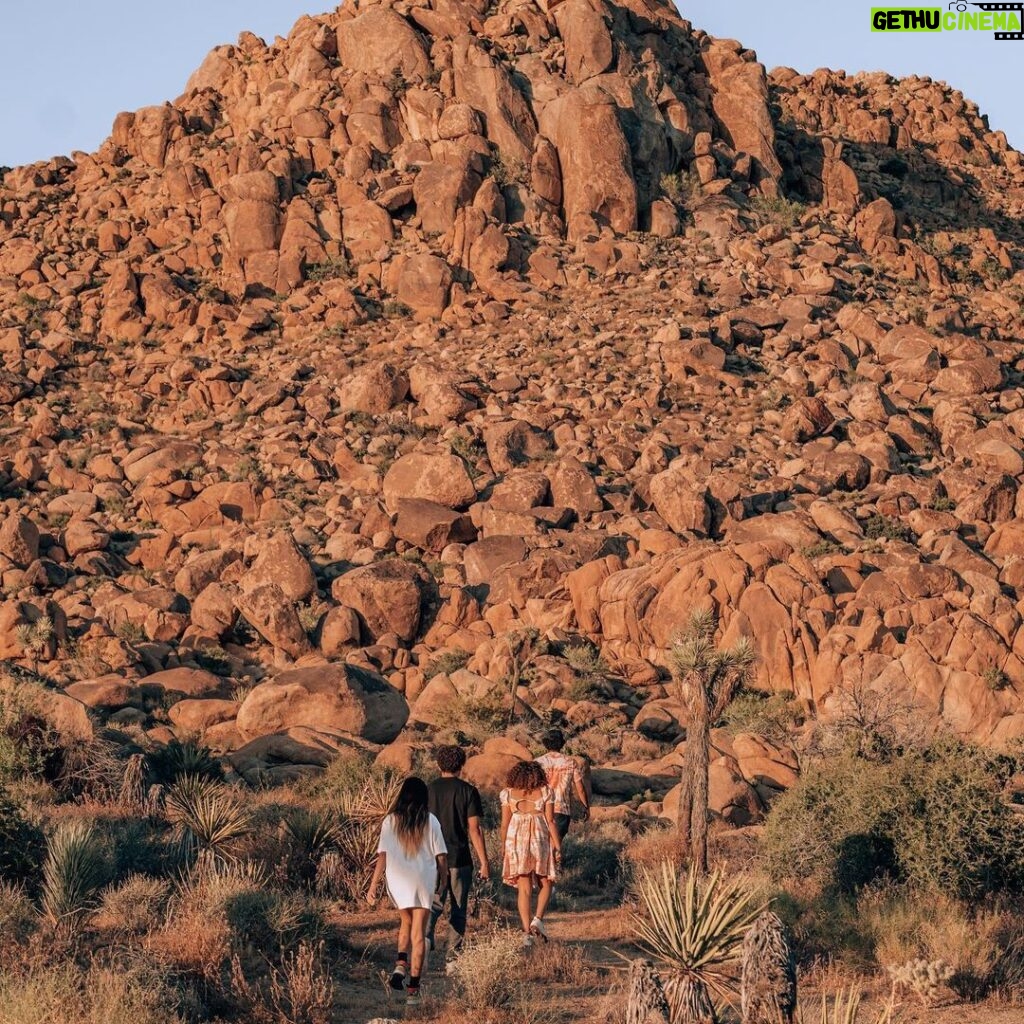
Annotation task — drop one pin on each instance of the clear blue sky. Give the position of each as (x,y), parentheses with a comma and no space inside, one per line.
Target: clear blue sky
(67,67)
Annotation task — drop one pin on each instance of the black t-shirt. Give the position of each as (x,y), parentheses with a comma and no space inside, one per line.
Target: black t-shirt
(453,802)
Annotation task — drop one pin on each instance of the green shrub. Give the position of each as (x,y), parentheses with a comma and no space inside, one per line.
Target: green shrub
(778,210)
(29,746)
(445,663)
(932,818)
(22,846)
(769,715)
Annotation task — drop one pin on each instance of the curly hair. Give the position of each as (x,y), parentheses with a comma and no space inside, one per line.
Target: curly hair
(526,776)
(450,759)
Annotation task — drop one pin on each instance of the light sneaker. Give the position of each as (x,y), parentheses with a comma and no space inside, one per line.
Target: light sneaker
(527,941)
(537,928)
(412,996)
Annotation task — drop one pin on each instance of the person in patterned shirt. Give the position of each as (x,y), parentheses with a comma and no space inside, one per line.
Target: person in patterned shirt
(564,776)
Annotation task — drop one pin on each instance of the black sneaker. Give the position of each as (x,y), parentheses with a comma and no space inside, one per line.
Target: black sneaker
(397,981)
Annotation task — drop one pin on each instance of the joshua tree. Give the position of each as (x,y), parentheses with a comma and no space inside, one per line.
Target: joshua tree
(769,973)
(707,678)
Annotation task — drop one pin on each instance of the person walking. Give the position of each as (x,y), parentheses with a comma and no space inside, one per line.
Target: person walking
(564,777)
(457,806)
(531,843)
(411,856)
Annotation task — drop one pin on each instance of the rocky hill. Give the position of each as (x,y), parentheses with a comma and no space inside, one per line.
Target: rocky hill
(452,344)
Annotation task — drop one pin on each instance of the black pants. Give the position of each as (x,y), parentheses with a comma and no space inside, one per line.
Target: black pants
(562,822)
(456,889)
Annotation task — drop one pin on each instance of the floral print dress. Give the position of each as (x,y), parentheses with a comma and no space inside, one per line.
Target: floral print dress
(528,847)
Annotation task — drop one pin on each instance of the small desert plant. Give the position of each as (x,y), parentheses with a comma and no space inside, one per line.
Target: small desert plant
(328,271)
(136,903)
(684,190)
(879,527)
(312,835)
(783,213)
(208,820)
(485,973)
(168,763)
(395,309)
(22,845)
(445,663)
(506,170)
(695,928)
(924,978)
(844,1009)
(73,874)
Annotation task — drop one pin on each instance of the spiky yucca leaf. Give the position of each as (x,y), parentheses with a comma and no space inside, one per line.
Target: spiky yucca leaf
(207,818)
(695,928)
(73,873)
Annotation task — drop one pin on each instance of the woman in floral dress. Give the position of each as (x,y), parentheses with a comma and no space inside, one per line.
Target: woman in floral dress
(531,843)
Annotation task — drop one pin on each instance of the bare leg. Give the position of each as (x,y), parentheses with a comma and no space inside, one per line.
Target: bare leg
(418,923)
(525,887)
(404,929)
(543,897)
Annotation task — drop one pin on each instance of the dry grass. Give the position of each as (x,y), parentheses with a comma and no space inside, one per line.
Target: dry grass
(102,994)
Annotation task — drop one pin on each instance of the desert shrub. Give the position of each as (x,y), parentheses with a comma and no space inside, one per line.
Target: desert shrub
(878,527)
(29,746)
(658,843)
(932,818)
(136,904)
(471,720)
(17,914)
(684,190)
(138,848)
(445,663)
(769,715)
(834,826)
(74,871)
(118,993)
(591,861)
(167,763)
(298,990)
(485,974)
(22,846)
(777,210)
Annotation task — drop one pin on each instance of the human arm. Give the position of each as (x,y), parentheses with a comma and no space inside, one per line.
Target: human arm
(549,817)
(581,792)
(479,844)
(506,819)
(378,871)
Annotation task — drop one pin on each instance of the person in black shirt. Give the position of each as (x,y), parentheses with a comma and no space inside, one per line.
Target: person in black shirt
(456,805)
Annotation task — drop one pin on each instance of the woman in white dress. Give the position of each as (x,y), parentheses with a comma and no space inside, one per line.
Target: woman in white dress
(411,856)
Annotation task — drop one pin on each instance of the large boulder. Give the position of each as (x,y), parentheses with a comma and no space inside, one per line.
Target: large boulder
(381,42)
(437,477)
(280,561)
(387,596)
(342,698)
(598,185)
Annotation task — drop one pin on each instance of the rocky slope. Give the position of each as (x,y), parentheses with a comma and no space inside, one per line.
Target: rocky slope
(508,330)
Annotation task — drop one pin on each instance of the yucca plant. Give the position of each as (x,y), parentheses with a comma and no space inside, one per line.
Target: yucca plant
(312,834)
(361,815)
(168,763)
(707,678)
(74,872)
(695,927)
(208,820)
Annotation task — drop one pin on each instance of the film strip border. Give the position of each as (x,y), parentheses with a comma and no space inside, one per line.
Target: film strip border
(1018,7)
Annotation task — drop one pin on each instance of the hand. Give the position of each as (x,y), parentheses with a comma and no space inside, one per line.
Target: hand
(585,813)
(371,896)
(485,871)
(558,855)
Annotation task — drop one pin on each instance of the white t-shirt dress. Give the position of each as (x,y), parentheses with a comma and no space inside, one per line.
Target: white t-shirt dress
(412,880)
